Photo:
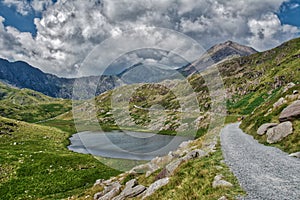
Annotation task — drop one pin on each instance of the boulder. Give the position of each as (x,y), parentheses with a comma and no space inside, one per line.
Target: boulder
(291,112)
(296,155)
(132,189)
(279,132)
(155,186)
(222,198)
(219,182)
(109,192)
(264,128)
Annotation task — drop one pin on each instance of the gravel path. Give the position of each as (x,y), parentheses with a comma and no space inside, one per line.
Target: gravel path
(266,173)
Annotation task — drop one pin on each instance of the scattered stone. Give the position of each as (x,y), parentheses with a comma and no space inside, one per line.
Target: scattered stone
(280,102)
(132,189)
(291,112)
(264,128)
(222,198)
(296,155)
(155,186)
(289,86)
(99,182)
(279,132)
(185,144)
(219,182)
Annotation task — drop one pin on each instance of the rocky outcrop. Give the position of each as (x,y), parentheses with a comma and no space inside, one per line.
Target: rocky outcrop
(168,164)
(155,186)
(132,189)
(291,112)
(279,132)
(264,128)
(109,192)
(219,182)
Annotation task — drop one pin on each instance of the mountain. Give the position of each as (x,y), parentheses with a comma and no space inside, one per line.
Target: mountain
(143,73)
(216,54)
(22,75)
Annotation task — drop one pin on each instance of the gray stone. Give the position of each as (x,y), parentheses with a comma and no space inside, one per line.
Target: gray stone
(296,155)
(291,112)
(132,189)
(171,167)
(289,86)
(155,186)
(114,190)
(279,132)
(222,198)
(264,128)
(280,102)
(219,182)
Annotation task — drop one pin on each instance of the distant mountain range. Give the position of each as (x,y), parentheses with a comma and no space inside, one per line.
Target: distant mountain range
(22,75)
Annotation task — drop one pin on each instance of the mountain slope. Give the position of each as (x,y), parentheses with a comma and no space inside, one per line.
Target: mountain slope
(28,105)
(216,54)
(23,75)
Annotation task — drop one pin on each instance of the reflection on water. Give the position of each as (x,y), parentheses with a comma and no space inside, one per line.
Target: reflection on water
(130,145)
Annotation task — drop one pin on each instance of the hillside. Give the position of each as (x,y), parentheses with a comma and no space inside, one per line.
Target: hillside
(35,163)
(28,105)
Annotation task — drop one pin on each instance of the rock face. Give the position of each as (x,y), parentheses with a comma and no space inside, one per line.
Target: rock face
(279,132)
(264,128)
(219,182)
(291,112)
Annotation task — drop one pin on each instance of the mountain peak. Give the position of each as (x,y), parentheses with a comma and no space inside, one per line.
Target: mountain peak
(231,48)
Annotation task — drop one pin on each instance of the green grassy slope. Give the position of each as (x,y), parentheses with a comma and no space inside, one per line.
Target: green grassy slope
(28,105)
(35,163)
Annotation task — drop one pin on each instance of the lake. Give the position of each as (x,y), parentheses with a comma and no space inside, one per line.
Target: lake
(125,145)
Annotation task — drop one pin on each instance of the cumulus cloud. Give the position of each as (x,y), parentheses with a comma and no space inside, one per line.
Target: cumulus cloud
(69,30)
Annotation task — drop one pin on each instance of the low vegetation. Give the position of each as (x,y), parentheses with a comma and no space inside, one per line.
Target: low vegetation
(30,106)
(35,163)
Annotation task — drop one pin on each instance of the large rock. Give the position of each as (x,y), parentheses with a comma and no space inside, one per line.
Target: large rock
(264,128)
(109,192)
(132,189)
(279,132)
(155,186)
(291,112)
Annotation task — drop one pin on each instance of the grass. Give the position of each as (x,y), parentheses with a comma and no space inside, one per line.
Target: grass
(265,114)
(193,180)
(35,164)
(30,106)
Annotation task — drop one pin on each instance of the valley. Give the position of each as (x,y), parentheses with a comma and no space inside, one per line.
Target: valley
(35,129)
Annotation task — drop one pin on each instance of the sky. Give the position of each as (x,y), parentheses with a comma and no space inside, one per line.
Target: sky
(58,35)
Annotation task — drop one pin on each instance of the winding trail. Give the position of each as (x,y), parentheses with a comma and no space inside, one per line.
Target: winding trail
(266,173)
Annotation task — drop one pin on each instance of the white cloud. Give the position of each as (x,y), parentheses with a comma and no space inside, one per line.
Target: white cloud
(69,30)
